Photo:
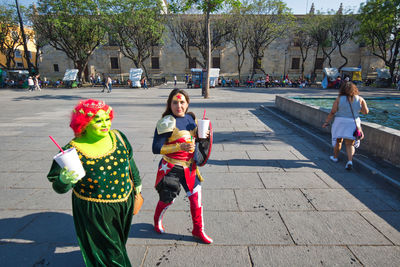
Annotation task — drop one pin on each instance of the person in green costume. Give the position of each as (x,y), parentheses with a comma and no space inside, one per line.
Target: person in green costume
(103,200)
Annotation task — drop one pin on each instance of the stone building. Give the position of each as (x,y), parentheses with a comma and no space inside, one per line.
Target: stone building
(281,57)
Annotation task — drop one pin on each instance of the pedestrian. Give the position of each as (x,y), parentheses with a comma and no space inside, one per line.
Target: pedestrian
(109,84)
(175,138)
(103,200)
(145,83)
(346,109)
(104,83)
(175,80)
(31,84)
(91,79)
(36,82)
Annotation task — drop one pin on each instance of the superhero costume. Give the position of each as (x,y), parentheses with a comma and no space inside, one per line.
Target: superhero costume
(178,167)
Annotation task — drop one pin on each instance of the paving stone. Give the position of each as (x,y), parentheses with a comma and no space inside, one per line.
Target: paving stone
(231,180)
(331,228)
(390,195)
(387,222)
(136,254)
(254,165)
(302,256)
(177,224)
(22,254)
(292,180)
(249,228)
(342,199)
(346,180)
(9,198)
(63,255)
(271,155)
(51,227)
(197,256)
(271,200)
(30,180)
(377,255)
(42,199)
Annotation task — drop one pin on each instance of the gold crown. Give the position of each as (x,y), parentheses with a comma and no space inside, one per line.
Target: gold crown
(179,97)
(100,104)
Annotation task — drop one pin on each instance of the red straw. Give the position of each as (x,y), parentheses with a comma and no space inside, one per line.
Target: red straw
(54,141)
(204,114)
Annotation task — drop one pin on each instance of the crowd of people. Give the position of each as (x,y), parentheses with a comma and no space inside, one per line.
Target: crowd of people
(267,81)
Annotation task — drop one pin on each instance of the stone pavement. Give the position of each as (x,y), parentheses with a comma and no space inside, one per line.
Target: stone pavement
(271,196)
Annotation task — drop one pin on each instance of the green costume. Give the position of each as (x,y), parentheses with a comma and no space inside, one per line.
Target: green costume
(102,202)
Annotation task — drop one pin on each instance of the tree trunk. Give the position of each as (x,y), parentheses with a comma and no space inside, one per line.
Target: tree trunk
(345,58)
(315,62)
(208,38)
(26,51)
(395,55)
(81,67)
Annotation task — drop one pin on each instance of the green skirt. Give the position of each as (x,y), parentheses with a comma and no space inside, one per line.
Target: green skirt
(102,230)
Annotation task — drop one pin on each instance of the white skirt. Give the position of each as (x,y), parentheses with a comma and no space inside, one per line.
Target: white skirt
(344,128)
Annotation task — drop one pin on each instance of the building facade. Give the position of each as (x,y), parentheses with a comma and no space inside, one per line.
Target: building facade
(19,54)
(281,57)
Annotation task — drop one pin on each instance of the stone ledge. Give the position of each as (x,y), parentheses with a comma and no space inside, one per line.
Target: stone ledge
(379,140)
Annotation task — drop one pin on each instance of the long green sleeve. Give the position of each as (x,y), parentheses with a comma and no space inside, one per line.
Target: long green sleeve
(54,177)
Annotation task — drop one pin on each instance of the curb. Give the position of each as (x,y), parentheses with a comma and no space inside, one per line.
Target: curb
(367,168)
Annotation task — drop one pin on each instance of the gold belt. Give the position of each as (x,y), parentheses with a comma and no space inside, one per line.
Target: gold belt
(178,161)
(183,163)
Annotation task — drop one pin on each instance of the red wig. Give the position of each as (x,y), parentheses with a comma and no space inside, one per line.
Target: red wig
(84,112)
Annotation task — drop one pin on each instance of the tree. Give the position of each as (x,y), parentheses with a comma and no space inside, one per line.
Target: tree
(137,26)
(10,38)
(207,7)
(318,29)
(24,40)
(269,20)
(380,30)
(188,32)
(342,28)
(304,40)
(72,26)
(239,34)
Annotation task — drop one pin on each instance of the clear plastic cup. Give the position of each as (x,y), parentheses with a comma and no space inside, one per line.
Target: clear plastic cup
(202,128)
(191,141)
(70,159)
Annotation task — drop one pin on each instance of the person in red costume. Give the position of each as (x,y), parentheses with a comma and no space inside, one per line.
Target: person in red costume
(174,138)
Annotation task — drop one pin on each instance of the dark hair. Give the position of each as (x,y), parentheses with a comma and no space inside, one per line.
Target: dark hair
(168,110)
(348,89)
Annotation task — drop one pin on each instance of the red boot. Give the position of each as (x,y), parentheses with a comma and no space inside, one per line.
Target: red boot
(197,216)
(158,216)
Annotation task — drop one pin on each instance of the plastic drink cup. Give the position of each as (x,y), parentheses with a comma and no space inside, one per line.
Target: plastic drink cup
(191,140)
(70,159)
(202,128)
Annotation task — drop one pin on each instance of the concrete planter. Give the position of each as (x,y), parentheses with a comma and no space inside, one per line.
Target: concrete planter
(379,140)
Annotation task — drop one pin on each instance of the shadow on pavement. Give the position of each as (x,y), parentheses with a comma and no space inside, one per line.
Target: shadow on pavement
(39,239)
(377,196)
(146,231)
(46,97)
